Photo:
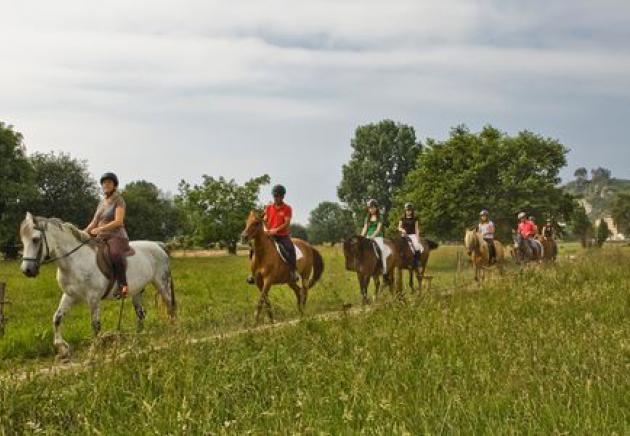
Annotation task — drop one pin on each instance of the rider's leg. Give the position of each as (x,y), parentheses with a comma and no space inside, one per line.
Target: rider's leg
(289,250)
(117,249)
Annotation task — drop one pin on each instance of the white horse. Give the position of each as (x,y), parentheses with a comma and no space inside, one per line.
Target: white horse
(47,240)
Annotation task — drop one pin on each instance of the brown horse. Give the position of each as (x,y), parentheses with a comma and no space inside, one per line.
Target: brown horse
(361,257)
(479,253)
(407,261)
(550,248)
(269,269)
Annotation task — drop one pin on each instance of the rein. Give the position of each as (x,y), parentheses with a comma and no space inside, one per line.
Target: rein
(47,258)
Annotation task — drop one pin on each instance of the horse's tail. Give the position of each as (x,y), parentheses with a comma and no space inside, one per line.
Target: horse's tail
(318,268)
(432,244)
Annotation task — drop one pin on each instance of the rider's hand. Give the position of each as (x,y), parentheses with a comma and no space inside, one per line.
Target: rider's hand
(271,232)
(403,233)
(95,231)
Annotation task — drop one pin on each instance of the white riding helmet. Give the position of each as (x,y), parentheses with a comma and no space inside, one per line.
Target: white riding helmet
(522,215)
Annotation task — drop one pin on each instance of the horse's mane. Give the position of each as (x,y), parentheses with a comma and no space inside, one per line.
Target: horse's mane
(78,234)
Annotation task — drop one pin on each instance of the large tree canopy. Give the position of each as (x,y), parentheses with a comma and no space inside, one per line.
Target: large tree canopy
(620,210)
(150,215)
(456,178)
(382,155)
(215,211)
(65,188)
(330,222)
(17,187)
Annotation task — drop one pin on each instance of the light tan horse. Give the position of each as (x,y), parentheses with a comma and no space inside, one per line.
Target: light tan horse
(269,269)
(479,253)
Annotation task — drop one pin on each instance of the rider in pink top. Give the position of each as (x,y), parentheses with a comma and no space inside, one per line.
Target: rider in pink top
(527,229)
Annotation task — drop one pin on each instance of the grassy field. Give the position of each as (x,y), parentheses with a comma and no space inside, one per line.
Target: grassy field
(540,351)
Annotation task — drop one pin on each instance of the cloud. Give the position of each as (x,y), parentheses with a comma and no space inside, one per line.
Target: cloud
(241,88)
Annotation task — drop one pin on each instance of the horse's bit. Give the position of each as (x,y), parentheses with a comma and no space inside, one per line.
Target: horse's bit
(47,259)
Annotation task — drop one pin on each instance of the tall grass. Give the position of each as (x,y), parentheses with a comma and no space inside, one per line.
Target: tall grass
(543,351)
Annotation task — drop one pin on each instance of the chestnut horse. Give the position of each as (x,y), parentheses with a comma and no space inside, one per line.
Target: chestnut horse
(479,253)
(361,257)
(406,261)
(269,269)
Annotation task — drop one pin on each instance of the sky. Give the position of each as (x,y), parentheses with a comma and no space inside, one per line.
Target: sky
(165,90)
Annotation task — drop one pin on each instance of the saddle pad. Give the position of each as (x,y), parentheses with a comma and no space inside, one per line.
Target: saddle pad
(386,251)
(298,253)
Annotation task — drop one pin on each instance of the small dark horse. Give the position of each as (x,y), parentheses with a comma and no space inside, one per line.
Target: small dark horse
(522,250)
(361,258)
(406,261)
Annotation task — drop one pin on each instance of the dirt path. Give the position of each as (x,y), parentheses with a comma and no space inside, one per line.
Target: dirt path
(24,375)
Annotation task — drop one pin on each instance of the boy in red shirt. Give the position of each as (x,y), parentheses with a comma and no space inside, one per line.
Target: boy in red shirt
(277,220)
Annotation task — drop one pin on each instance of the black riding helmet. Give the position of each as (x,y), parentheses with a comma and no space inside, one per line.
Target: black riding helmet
(372,203)
(110,176)
(279,191)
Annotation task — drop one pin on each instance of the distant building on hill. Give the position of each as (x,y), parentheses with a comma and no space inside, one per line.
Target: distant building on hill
(615,235)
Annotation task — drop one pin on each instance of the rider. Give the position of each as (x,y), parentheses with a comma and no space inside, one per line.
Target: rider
(487,229)
(548,230)
(373,229)
(409,227)
(277,220)
(109,225)
(527,230)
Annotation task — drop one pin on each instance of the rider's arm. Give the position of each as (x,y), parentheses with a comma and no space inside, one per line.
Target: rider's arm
(287,223)
(418,229)
(400,227)
(365,228)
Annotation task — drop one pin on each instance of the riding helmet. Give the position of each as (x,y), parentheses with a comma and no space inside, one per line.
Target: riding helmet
(110,176)
(279,191)
(372,203)
(484,212)
(408,206)
(522,215)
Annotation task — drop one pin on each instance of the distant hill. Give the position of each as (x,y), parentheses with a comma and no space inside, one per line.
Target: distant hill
(596,192)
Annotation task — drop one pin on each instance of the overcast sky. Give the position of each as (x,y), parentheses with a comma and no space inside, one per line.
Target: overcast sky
(169,90)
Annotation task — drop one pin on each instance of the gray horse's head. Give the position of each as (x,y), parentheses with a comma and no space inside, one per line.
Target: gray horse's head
(33,246)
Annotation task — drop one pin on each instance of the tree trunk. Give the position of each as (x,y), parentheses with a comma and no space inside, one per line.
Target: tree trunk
(231,247)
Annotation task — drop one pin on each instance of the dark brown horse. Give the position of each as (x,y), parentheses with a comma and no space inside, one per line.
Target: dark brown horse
(406,261)
(269,269)
(361,257)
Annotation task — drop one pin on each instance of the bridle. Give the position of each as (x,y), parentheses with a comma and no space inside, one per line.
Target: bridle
(46,258)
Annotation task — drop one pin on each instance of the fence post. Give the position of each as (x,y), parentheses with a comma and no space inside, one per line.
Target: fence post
(3,287)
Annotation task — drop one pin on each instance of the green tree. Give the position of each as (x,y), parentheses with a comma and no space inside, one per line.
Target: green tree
(620,211)
(299,231)
(382,155)
(456,178)
(330,222)
(215,211)
(603,232)
(150,215)
(65,188)
(17,187)
(580,225)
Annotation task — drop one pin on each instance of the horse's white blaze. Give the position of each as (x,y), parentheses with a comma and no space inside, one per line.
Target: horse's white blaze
(78,274)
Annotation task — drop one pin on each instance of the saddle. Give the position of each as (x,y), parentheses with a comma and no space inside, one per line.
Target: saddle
(283,253)
(104,262)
